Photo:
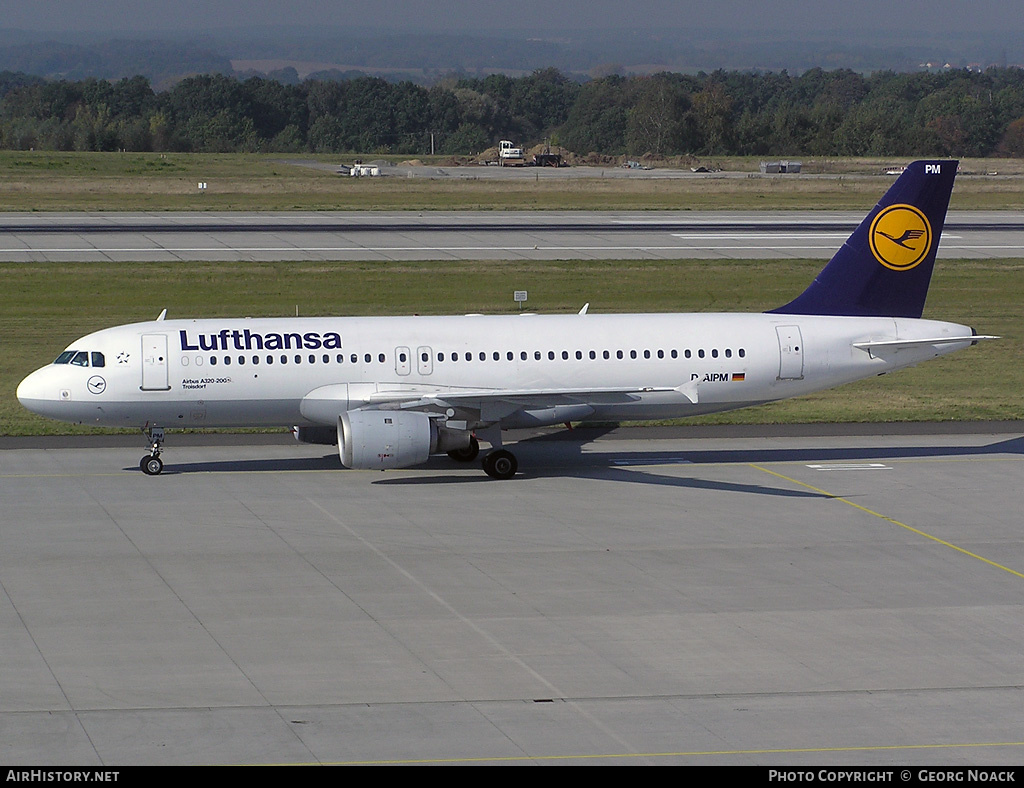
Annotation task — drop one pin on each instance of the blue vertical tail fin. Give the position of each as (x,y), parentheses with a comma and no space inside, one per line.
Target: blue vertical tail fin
(884,268)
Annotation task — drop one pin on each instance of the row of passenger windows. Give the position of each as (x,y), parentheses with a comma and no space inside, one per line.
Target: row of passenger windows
(579,355)
(441,357)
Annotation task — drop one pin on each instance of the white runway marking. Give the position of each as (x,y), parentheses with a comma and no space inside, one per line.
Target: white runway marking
(852,466)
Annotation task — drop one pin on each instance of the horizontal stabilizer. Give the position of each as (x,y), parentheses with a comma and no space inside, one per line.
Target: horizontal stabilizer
(899,344)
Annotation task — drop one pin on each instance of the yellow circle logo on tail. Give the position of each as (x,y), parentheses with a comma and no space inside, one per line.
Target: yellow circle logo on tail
(900,237)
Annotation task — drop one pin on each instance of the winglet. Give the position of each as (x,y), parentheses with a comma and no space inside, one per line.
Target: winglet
(884,268)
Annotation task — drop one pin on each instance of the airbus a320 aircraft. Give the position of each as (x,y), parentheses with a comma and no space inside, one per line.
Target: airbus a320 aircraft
(391,391)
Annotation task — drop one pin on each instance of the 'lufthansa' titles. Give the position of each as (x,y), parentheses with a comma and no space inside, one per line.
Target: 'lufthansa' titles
(235,339)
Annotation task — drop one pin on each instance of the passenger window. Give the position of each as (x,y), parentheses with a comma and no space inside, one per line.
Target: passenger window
(700,353)
(661,354)
(536,355)
(593,354)
(469,356)
(618,354)
(367,358)
(354,358)
(270,359)
(606,354)
(632,354)
(241,360)
(647,354)
(551,355)
(381,357)
(98,360)
(742,353)
(565,355)
(674,354)
(327,358)
(714,353)
(688,354)
(213,361)
(227,361)
(255,359)
(728,353)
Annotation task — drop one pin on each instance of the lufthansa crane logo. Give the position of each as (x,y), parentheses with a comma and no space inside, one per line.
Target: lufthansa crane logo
(900,237)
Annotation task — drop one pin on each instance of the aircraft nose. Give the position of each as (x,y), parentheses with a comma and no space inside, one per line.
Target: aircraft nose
(33,391)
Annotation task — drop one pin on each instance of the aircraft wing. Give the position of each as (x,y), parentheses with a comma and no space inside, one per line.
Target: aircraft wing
(526,398)
(490,406)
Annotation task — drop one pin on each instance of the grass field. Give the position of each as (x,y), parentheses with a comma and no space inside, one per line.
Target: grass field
(45,306)
(48,181)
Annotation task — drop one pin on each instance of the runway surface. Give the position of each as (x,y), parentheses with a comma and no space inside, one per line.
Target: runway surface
(799,596)
(492,235)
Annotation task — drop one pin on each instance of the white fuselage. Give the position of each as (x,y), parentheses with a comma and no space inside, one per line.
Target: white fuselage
(306,371)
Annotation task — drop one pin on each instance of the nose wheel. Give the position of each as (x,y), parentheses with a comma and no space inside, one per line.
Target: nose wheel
(151,464)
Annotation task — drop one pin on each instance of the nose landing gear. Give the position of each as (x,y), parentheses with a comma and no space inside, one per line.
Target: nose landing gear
(151,464)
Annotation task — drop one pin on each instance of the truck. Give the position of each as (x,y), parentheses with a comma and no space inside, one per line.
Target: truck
(509,155)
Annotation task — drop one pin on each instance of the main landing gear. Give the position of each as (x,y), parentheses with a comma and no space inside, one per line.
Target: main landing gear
(498,463)
(151,464)
(501,464)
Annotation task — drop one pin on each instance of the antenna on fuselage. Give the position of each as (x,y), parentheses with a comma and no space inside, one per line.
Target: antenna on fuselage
(583,311)
(162,315)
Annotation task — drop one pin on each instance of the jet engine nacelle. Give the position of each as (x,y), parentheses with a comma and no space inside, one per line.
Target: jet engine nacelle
(379,439)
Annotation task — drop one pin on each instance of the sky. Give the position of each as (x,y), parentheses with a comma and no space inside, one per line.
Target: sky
(546,17)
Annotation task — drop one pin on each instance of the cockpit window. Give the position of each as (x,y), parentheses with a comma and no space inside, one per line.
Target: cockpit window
(81,359)
(97,359)
(65,357)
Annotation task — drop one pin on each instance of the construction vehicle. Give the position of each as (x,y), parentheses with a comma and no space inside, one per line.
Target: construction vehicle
(509,155)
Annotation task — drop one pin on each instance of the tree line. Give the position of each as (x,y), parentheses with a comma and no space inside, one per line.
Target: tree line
(817,113)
